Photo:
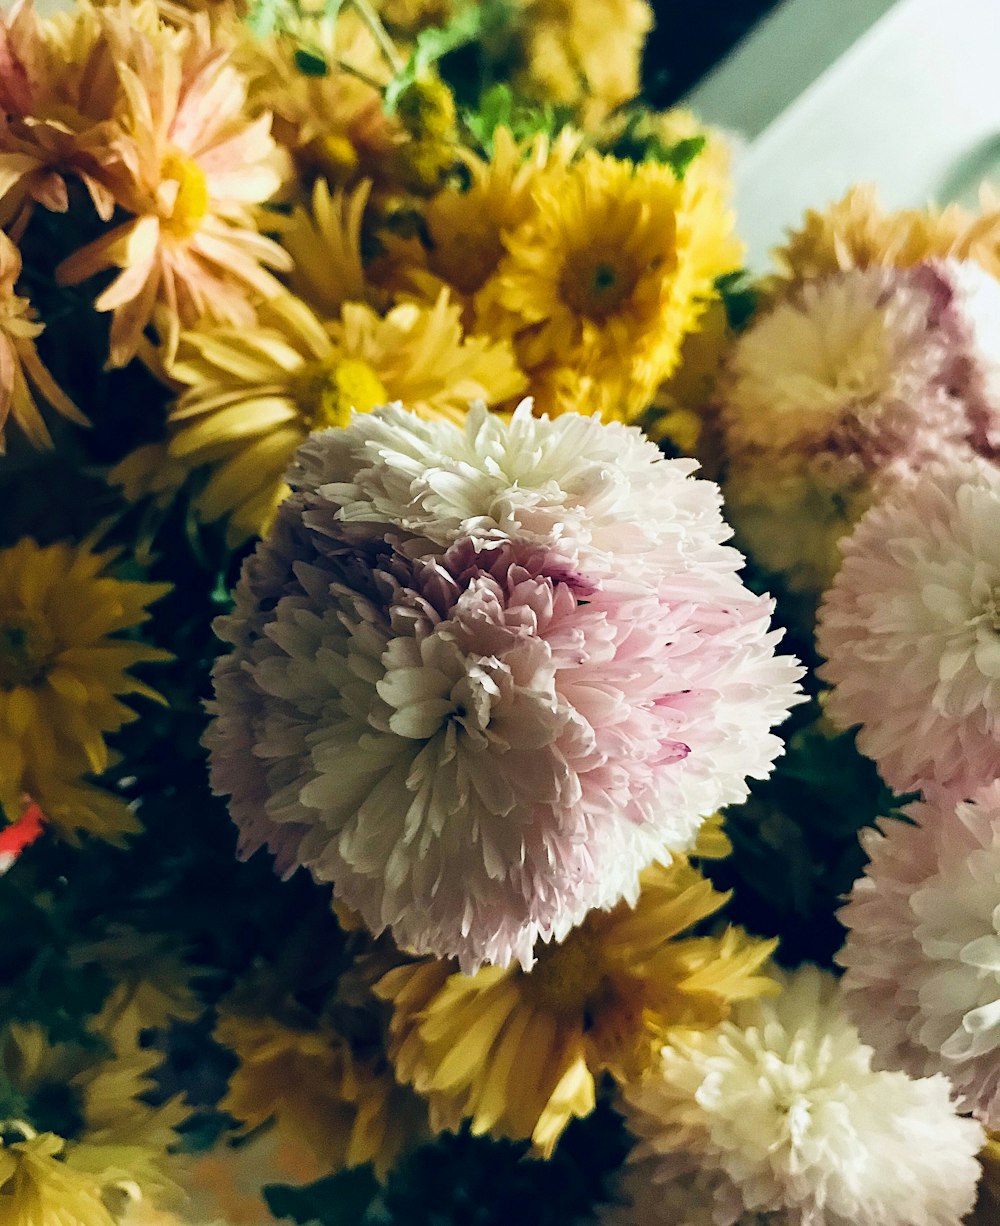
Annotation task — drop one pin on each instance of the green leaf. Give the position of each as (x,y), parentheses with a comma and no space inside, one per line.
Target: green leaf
(432,45)
(311,63)
(339,1200)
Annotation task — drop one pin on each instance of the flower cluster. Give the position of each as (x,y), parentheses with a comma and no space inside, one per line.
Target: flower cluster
(356,361)
(486,680)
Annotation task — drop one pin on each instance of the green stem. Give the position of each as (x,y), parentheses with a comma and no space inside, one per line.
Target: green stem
(372,20)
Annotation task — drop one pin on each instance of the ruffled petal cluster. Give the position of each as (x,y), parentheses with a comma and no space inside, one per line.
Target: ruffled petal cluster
(855,380)
(923,946)
(482,678)
(777,1116)
(914,614)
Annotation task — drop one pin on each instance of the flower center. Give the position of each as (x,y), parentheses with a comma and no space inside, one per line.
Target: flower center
(568,976)
(327,391)
(27,649)
(598,288)
(191,202)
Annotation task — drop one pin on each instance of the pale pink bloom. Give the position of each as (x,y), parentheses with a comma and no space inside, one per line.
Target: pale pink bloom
(911,630)
(923,945)
(196,168)
(777,1116)
(489,675)
(874,370)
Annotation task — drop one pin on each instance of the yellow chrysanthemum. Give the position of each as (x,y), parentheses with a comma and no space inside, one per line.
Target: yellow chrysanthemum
(110,1148)
(603,282)
(24,379)
(343,1106)
(585,53)
(334,123)
(466,225)
(62,676)
(254,396)
(856,232)
(39,1188)
(518,1054)
(324,242)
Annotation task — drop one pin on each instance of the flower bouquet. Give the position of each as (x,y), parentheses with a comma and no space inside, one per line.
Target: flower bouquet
(414,808)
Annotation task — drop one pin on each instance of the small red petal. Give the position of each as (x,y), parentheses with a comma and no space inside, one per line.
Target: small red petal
(21,834)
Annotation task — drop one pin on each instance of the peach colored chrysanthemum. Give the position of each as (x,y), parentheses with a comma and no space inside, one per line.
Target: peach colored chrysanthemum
(58,93)
(197,166)
(24,379)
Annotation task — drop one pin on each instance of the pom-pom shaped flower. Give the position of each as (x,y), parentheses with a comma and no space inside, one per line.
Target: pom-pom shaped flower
(778,1117)
(483,677)
(923,947)
(915,612)
(858,378)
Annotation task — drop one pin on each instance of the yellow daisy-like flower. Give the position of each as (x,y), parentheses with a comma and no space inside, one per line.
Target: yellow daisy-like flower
(343,1105)
(334,123)
(110,1148)
(856,232)
(603,282)
(466,225)
(39,1188)
(62,676)
(324,242)
(254,396)
(24,380)
(518,1054)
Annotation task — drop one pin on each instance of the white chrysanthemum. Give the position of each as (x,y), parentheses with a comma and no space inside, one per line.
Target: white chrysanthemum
(483,678)
(911,631)
(923,947)
(779,1116)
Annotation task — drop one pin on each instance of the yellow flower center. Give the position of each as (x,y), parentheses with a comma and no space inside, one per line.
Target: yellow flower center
(191,202)
(27,649)
(327,391)
(597,288)
(332,156)
(569,977)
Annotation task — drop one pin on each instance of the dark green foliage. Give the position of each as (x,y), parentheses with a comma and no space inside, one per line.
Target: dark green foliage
(462,1180)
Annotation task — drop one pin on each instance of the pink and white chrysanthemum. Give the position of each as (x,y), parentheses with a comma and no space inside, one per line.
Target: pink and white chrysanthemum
(777,1116)
(487,675)
(923,946)
(196,169)
(871,370)
(911,630)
